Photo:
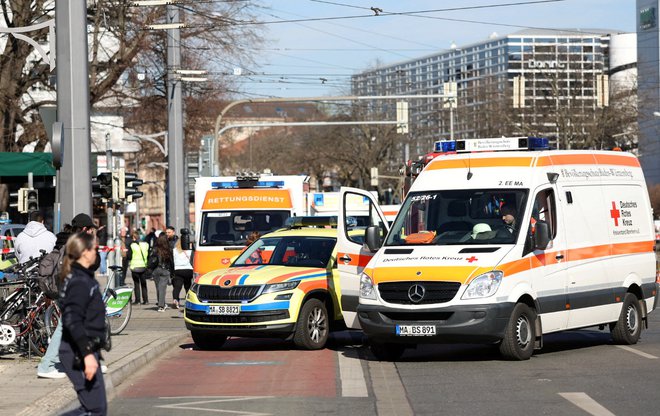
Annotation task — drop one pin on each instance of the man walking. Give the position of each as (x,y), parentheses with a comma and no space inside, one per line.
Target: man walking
(34,238)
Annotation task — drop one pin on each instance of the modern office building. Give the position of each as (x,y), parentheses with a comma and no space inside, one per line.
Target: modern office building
(555,83)
(648,52)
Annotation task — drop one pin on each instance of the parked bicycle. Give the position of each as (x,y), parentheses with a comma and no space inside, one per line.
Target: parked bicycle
(118,306)
(26,314)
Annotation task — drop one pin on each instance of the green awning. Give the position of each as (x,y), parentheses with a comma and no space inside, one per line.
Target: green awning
(20,164)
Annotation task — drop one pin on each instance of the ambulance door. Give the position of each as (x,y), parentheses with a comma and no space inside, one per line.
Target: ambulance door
(549,277)
(359,209)
(589,292)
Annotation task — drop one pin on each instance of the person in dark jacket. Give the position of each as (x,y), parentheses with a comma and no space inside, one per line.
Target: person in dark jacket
(49,366)
(83,319)
(161,264)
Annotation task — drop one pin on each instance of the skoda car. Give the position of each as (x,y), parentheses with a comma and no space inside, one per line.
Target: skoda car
(285,284)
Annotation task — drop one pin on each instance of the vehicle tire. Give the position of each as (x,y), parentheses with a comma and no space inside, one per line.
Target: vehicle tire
(108,335)
(386,351)
(520,334)
(313,326)
(628,328)
(208,342)
(119,321)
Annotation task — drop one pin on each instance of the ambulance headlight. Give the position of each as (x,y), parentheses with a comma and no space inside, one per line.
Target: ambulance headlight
(278,287)
(367,287)
(484,285)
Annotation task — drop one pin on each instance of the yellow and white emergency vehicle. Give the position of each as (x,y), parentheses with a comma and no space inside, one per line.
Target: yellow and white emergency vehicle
(328,203)
(285,284)
(228,209)
(495,246)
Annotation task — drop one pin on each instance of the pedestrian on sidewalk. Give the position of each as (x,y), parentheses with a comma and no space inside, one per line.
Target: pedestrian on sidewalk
(49,365)
(137,256)
(183,273)
(172,238)
(162,265)
(34,238)
(83,317)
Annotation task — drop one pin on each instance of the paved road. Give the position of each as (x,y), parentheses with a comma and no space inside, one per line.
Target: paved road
(577,373)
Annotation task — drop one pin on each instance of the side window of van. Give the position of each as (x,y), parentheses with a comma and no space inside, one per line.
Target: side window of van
(544,209)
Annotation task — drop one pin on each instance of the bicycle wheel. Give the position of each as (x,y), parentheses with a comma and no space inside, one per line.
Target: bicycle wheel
(52,316)
(119,320)
(38,337)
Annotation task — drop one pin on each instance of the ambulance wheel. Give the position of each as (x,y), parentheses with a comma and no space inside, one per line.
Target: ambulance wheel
(313,326)
(520,334)
(386,351)
(628,328)
(208,341)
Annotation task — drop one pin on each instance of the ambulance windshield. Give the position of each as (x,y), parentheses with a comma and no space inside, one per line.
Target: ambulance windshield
(459,217)
(230,228)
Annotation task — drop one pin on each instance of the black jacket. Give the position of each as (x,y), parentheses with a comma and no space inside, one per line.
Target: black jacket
(83,311)
(155,261)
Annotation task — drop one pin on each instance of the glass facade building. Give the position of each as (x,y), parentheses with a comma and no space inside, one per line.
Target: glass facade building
(552,83)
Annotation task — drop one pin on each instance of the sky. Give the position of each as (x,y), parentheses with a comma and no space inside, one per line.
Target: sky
(317,57)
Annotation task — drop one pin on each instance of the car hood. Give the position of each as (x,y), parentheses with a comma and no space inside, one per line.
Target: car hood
(258,275)
(435,263)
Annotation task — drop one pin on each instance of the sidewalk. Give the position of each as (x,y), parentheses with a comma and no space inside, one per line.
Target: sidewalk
(148,335)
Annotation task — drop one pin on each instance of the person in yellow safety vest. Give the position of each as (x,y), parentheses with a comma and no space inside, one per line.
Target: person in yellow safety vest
(137,255)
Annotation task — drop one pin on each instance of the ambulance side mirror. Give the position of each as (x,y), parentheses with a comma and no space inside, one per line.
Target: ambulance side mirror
(541,235)
(185,239)
(372,238)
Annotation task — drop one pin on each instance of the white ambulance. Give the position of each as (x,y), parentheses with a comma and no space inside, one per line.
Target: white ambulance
(228,209)
(503,247)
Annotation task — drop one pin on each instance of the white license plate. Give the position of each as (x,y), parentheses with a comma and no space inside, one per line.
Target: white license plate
(415,330)
(224,310)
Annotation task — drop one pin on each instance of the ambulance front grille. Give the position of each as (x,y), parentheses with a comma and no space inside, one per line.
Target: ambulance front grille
(434,292)
(217,294)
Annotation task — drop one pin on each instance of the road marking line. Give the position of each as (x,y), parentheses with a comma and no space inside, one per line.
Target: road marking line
(188,405)
(586,403)
(353,383)
(390,394)
(640,353)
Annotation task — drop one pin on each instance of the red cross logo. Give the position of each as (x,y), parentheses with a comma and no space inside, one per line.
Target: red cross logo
(471,259)
(615,214)
(225,261)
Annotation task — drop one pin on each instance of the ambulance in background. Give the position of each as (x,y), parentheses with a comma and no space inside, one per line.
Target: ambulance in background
(228,209)
(454,268)
(328,203)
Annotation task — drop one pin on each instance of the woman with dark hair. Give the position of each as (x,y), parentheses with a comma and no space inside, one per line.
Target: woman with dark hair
(162,266)
(83,320)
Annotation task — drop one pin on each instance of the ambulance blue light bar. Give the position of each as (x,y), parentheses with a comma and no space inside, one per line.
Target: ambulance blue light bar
(502,144)
(241,184)
(444,146)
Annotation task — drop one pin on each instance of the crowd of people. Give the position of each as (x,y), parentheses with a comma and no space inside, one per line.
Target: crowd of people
(74,350)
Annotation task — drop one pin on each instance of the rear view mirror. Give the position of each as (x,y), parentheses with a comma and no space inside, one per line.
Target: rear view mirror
(372,238)
(541,235)
(185,239)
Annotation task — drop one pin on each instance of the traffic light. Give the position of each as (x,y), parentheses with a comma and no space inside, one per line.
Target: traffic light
(128,186)
(102,186)
(18,200)
(31,200)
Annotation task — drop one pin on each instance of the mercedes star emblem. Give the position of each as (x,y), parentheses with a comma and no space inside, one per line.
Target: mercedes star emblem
(416,293)
(227,282)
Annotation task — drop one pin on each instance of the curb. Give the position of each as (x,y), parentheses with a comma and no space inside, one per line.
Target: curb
(64,398)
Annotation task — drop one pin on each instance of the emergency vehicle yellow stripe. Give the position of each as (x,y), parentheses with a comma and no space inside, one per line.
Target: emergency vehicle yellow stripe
(440,163)
(589,159)
(464,274)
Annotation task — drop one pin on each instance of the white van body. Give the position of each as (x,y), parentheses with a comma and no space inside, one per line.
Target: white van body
(436,279)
